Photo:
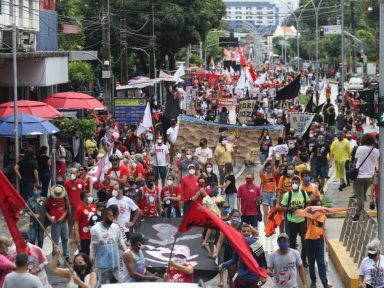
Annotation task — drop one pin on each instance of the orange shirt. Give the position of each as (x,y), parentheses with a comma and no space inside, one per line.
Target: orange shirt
(312,190)
(268,183)
(315,228)
(284,184)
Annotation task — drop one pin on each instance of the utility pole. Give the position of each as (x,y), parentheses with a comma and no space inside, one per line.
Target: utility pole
(106,44)
(353,50)
(15,96)
(152,52)
(342,74)
(380,219)
(123,45)
(317,53)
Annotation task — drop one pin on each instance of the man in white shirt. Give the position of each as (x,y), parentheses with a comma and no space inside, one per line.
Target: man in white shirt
(160,161)
(203,153)
(171,138)
(126,206)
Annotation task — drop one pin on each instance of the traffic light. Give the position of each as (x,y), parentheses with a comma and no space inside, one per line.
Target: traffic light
(321,31)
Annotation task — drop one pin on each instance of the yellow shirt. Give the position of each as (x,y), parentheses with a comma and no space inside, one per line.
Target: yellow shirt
(90,146)
(223,154)
(341,150)
(211,203)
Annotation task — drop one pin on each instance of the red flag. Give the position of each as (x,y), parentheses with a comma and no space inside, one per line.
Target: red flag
(11,204)
(200,216)
(252,72)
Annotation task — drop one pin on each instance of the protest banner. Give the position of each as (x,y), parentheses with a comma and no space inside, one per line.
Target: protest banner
(246,107)
(300,121)
(243,138)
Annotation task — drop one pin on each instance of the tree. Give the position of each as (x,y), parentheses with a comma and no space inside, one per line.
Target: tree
(80,74)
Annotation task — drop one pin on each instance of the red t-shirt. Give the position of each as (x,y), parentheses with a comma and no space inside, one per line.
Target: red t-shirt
(119,173)
(82,215)
(189,187)
(173,192)
(248,199)
(74,188)
(178,276)
(56,208)
(148,202)
(139,169)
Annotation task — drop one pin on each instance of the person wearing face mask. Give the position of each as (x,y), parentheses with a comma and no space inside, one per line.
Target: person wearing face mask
(148,198)
(292,150)
(293,200)
(265,143)
(6,266)
(248,199)
(284,264)
(131,190)
(126,207)
(223,155)
(126,160)
(179,270)
(105,242)
(189,187)
(184,164)
(370,270)
(229,187)
(82,213)
(57,210)
(308,186)
(319,161)
(74,186)
(203,153)
(268,186)
(225,254)
(170,198)
(161,161)
(134,261)
(208,175)
(116,174)
(172,137)
(36,204)
(340,152)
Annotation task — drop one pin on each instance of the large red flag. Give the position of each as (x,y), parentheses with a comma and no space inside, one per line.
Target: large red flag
(199,216)
(11,203)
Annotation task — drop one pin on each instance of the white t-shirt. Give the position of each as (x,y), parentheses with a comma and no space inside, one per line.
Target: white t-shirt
(126,205)
(368,168)
(369,268)
(352,144)
(172,134)
(203,154)
(160,157)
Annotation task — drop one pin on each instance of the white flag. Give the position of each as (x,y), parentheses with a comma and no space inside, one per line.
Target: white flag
(146,122)
(180,72)
(261,79)
(322,85)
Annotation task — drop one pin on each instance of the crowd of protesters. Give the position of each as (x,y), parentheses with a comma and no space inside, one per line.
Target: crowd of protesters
(146,177)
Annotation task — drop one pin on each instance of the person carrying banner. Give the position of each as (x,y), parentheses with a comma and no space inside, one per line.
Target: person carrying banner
(179,270)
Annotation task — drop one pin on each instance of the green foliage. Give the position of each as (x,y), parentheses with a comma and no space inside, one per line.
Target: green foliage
(80,73)
(77,128)
(195,59)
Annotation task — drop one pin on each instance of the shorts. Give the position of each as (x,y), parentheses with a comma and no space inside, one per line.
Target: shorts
(160,170)
(319,170)
(267,198)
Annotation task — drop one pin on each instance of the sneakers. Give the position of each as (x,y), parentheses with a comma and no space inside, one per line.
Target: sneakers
(355,218)
(313,285)
(326,285)
(342,186)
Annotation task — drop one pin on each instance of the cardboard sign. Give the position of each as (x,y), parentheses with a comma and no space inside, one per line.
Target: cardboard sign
(300,121)
(246,107)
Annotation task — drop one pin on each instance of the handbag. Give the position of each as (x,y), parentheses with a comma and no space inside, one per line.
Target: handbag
(354,172)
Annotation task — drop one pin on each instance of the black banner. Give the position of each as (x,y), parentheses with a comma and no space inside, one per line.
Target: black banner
(290,91)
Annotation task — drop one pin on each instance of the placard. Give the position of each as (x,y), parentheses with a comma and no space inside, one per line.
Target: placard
(246,107)
(129,110)
(300,122)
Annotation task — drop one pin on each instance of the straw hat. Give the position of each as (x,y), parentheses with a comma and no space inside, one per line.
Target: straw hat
(57,191)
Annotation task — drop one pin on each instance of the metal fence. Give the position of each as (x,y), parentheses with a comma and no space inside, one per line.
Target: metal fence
(355,235)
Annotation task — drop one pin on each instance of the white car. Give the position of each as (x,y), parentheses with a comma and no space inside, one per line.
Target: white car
(355,84)
(152,285)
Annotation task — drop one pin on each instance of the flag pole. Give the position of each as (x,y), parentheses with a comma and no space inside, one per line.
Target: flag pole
(173,246)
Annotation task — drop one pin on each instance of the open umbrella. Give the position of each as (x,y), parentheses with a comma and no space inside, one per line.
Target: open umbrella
(28,125)
(36,108)
(74,100)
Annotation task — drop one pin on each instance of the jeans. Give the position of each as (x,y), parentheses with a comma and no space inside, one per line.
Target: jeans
(221,174)
(231,199)
(360,186)
(45,178)
(106,275)
(315,252)
(85,246)
(26,189)
(60,231)
(293,230)
(263,157)
(36,233)
(252,220)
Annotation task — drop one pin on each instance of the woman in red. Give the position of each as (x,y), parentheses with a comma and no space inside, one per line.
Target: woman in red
(148,198)
(179,270)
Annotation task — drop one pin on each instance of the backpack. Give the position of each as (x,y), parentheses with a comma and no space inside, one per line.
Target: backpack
(290,198)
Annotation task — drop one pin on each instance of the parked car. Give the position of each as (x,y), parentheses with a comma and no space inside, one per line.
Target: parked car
(355,84)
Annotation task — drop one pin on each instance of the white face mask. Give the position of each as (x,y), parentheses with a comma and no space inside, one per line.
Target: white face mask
(295,186)
(290,172)
(191,171)
(209,169)
(189,156)
(224,142)
(149,136)
(144,154)
(115,193)
(134,165)
(159,141)
(90,199)
(169,182)
(180,261)
(125,160)
(73,176)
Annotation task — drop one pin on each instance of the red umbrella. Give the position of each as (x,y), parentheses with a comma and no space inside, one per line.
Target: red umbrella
(35,108)
(74,100)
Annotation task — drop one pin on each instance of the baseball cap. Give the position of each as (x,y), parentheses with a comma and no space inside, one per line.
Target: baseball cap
(182,250)
(283,235)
